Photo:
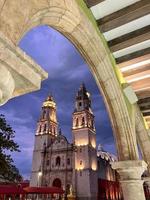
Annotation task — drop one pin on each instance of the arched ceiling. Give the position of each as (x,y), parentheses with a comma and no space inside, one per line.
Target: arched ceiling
(126,27)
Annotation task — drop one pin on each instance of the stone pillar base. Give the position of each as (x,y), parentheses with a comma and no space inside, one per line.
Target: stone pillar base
(130,178)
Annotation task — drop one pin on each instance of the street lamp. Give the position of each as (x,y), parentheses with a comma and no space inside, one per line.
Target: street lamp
(39,175)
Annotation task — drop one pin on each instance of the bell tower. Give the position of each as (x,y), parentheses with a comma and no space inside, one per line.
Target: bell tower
(47,131)
(47,124)
(84,138)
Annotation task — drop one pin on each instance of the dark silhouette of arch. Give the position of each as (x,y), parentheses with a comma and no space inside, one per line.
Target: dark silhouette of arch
(68,161)
(44,114)
(58,160)
(83,121)
(45,127)
(77,122)
(57,182)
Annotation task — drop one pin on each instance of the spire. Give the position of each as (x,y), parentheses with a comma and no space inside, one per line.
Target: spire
(60,132)
(83,101)
(82,92)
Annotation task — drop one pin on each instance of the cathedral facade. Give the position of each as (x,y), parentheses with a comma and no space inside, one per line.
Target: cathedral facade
(57,162)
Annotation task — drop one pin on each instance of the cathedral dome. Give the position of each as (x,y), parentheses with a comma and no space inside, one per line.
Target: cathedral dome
(105,155)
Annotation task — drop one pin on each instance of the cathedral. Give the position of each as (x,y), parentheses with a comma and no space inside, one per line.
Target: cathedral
(76,165)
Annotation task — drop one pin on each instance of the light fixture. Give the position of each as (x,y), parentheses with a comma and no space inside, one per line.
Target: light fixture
(40,173)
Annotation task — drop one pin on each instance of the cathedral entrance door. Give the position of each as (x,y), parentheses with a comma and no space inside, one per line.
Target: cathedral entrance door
(57,183)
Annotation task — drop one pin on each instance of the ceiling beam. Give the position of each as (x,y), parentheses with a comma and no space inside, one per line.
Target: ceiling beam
(133,55)
(145,100)
(138,85)
(147,118)
(125,15)
(138,75)
(143,94)
(143,68)
(134,61)
(146,113)
(145,107)
(130,39)
(91,3)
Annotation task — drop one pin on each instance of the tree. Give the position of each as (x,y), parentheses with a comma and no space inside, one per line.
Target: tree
(8,171)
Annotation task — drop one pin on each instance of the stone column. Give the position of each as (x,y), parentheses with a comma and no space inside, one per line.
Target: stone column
(130,178)
(143,137)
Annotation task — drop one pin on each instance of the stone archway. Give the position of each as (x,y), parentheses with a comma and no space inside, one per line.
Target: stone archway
(68,18)
(57,183)
(73,20)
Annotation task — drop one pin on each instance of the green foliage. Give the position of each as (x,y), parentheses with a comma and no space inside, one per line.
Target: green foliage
(8,171)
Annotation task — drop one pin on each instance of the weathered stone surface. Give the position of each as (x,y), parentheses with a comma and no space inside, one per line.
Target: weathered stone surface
(15,14)
(18,72)
(2,4)
(7,84)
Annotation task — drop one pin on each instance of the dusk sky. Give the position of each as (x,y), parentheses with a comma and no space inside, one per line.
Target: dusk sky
(67,70)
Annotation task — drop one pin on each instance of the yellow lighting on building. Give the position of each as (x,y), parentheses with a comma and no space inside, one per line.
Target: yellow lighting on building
(49,104)
(93,143)
(94,166)
(81,144)
(80,168)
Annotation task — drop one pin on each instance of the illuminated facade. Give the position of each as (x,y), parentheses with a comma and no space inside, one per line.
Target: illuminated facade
(84,138)
(56,162)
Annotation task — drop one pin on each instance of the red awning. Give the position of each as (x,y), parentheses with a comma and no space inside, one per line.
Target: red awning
(25,189)
(5,189)
(43,190)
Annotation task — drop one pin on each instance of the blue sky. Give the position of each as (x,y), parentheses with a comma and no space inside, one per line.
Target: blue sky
(67,70)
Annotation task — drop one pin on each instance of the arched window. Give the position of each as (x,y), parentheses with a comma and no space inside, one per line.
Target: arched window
(47,162)
(80,104)
(44,114)
(57,183)
(40,129)
(83,121)
(58,160)
(68,161)
(45,127)
(77,122)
